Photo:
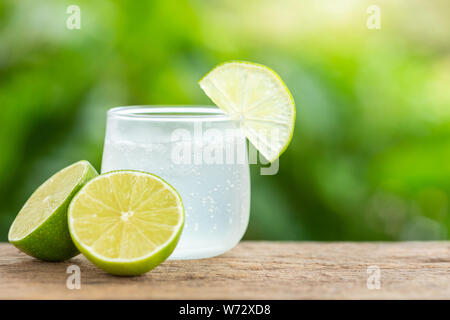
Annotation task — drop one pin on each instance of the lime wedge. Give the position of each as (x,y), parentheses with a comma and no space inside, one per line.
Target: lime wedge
(255,95)
(40,228)
(126,222)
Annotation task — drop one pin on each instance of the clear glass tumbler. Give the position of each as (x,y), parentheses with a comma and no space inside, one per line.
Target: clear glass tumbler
(202,153)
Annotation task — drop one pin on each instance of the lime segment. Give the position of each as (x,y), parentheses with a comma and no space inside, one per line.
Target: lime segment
(126,222)
(40,228)
(255,95)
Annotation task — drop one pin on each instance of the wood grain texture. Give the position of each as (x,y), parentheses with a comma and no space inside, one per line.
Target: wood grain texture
(252,270)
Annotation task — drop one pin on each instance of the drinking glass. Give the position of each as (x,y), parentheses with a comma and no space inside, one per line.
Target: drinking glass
(202,153)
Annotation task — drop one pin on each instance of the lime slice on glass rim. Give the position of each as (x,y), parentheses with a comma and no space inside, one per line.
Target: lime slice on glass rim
(126,222)
(40,228)
(255,95)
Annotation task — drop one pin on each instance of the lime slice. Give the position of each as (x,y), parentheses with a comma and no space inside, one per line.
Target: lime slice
(40,229)
(126,222)
(255,95)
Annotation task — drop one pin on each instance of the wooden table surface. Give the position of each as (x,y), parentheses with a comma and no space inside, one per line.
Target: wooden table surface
(252,270)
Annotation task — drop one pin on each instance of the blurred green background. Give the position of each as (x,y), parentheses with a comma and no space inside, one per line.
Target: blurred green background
(370,158)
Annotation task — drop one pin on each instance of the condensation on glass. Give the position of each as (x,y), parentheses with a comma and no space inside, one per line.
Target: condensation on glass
(202,153)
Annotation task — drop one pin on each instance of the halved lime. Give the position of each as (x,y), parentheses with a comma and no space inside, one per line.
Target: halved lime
(126,222)
(255,95)
(40,228)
